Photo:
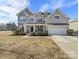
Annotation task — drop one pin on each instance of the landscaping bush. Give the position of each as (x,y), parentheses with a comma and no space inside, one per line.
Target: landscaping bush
(22,33)
(18,32)
(38,34)
(45,33)
(70,32)
(32,34)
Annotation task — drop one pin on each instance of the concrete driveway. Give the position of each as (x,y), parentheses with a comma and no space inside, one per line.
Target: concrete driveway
(69,44)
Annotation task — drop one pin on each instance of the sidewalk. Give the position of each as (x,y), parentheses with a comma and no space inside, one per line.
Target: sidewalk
(68,44)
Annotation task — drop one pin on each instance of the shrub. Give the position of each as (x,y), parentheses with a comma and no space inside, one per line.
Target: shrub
(70,32)
(45,34)
(32,34)
(38,34)
(18,32)
(22,33)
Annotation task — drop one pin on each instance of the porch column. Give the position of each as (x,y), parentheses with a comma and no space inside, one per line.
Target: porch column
(25,28)
(34,28)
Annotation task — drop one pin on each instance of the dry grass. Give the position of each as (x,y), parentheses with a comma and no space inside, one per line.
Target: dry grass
(5,33)
(17,47)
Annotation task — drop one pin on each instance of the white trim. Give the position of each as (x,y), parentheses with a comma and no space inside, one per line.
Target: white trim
(34,24)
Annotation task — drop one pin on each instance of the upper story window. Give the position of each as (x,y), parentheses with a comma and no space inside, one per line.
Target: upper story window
(31,19)
(40,19)
(23,19)
(56,17)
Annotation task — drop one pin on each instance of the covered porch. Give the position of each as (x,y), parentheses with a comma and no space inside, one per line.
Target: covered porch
(28,28)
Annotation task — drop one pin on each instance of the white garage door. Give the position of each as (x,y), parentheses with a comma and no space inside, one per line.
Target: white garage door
(57,29)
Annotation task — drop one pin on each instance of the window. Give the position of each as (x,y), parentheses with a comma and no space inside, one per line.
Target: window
(56,17)
(31,19)
(39,19)
(23,19)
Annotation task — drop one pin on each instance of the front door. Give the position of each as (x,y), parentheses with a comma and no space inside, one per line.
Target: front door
(31,29)
(22,29)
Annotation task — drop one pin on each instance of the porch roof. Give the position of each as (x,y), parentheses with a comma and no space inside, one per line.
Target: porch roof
(58,23)
(34,24)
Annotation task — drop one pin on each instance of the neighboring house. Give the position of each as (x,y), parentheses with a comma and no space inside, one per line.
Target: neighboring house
(73,24)
(55,22)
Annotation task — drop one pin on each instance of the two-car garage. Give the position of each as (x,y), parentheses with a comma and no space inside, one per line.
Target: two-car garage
(57,29)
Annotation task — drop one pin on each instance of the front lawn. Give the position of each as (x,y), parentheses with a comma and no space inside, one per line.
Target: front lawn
(17,47)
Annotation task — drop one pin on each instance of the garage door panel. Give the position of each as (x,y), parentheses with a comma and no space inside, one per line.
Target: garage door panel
(57,30)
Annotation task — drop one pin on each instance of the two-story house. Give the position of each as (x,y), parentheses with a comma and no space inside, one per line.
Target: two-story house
(55,22)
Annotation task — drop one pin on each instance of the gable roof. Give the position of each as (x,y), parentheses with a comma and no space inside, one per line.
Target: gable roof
(26,10)
(43,14)
(57,10)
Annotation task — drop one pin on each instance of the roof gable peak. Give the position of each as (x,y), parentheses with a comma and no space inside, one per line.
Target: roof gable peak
(25,10)
(58,10)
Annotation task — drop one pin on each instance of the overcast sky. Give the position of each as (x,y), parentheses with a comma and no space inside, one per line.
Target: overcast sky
(9,8)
